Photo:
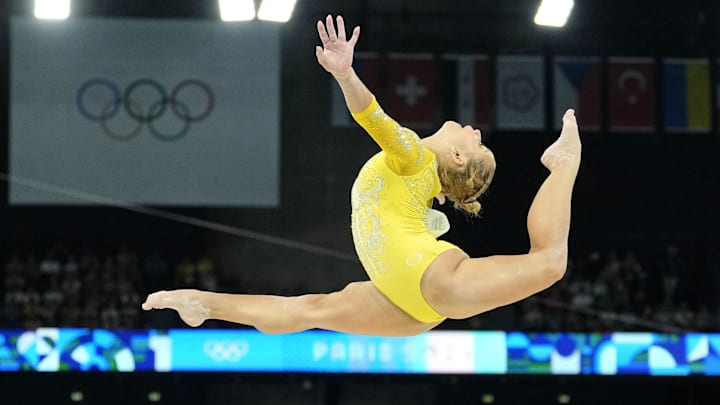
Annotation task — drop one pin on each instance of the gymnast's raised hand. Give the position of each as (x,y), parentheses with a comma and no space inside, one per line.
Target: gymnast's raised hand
(336,53)
(415,280)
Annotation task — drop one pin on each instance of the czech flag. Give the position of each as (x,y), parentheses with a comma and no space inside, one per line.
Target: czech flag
(577,86)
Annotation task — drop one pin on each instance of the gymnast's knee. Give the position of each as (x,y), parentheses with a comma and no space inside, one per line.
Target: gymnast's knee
(554,261)
(298,314)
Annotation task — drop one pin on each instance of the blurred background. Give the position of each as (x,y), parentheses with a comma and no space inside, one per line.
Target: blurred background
(107,196)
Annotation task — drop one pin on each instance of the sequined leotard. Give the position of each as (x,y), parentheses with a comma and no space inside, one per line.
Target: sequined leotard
(390,201)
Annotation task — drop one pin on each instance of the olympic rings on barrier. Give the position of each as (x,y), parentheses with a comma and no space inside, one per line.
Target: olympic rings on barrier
(229,351)
(144,111)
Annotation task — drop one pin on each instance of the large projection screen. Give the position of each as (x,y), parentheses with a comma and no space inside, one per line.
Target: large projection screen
(158,112)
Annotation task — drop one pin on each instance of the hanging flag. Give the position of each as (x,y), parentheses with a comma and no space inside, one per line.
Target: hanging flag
(411,98)
(190,107)
(632,99)
(369,68)
(686,99)
(717,94)
(466,89)
(520,92)
(577,85)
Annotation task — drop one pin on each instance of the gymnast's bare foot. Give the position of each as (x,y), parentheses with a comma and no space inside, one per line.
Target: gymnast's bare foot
(567,148)
(187,303)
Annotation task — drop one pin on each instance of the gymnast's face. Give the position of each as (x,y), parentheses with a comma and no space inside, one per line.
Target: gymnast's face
(467,142)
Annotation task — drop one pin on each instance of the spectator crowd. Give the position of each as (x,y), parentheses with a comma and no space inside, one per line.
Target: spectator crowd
(601,291)
(606,291)
(88,290)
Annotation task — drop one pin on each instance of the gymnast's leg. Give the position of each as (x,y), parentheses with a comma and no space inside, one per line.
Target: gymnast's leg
(548,220)
(359,309)
(477,285)
(268,313)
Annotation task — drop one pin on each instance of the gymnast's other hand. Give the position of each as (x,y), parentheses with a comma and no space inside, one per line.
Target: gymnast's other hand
(187,303)
(336,53)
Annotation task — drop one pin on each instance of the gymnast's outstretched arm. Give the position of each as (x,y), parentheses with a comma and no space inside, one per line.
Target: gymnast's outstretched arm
(336,57)
(405,153)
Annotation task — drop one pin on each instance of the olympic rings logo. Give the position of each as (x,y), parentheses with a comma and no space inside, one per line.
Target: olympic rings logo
(229,351)
(144,101)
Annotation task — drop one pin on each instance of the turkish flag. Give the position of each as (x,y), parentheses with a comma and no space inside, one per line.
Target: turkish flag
(632,94)
(411,90)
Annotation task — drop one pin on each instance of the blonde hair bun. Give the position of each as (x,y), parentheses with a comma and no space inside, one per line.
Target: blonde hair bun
(472,207)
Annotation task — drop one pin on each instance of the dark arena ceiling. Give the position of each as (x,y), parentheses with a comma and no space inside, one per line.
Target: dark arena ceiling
(669,27)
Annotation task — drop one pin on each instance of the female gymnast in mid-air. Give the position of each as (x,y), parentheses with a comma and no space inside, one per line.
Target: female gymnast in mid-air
(416,281)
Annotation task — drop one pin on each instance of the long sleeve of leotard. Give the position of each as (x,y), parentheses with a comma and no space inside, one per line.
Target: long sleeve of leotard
(405,154)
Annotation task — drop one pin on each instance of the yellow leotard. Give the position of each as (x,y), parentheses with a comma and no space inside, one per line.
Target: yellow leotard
(390,201)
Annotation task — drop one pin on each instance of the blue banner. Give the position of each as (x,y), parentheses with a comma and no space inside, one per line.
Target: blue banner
(436,352)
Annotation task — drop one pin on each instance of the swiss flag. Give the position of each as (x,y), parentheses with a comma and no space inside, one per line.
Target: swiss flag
(411,94)
(632,93)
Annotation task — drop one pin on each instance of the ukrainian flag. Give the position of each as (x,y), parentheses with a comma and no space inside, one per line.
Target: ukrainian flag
(686,85)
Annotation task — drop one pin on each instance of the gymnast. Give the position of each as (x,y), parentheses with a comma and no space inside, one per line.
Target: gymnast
(416,281)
